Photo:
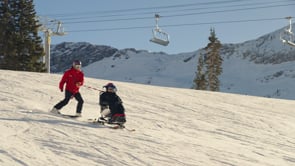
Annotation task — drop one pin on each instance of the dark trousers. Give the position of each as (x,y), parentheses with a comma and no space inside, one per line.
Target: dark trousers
(68,96)
(116,108)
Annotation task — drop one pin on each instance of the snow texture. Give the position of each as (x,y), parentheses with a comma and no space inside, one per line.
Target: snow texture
(173,126)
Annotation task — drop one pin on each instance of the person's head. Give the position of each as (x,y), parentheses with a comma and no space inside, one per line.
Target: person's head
(110,87)
(77,64)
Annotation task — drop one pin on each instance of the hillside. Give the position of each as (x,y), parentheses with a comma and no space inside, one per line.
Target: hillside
(173,126)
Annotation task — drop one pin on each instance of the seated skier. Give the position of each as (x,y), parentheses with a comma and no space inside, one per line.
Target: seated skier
(112,110)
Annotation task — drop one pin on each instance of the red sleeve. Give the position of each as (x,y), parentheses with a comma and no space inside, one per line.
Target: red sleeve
(82,82)
(63,80)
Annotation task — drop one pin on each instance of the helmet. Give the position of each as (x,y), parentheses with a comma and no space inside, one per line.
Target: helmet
(77,64)
(110,86)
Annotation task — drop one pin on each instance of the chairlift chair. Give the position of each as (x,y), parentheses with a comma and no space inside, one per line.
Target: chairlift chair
(59,29)
(159,36)
(287,36)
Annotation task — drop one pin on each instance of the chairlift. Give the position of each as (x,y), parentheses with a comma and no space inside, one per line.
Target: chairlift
(59,30)
(159,36)
(287,36)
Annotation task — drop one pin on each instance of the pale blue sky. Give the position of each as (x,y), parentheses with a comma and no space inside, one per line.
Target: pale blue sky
(129,23)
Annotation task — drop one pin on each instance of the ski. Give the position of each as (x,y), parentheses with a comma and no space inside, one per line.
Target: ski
(65,115)
(70,116)
(110,125)
(131,130)
(96,121)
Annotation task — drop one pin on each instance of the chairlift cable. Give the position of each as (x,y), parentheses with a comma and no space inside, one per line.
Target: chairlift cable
(104,15)
(178,15)
(178,25)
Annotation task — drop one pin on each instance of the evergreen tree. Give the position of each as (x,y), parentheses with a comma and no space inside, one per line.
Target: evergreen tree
(20,46)
(200,79)
(7,29)
(213,62)
(209,66)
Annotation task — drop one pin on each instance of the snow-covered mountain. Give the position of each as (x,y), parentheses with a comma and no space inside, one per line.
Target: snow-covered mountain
(174,127)
(260,67)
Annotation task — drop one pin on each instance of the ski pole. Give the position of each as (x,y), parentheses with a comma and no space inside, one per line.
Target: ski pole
(89,87)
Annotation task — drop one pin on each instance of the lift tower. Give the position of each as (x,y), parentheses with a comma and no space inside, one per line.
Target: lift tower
(49,27)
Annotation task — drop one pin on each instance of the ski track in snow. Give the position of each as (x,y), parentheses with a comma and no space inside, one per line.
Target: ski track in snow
(173,127)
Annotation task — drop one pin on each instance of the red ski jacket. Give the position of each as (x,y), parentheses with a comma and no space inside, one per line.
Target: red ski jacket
(74,79)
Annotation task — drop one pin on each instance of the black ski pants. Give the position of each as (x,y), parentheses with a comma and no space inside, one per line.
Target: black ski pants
(68,96)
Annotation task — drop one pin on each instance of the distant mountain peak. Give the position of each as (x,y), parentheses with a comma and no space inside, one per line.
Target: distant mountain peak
(261,67)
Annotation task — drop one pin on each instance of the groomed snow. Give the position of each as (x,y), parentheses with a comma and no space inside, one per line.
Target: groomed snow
(173,126)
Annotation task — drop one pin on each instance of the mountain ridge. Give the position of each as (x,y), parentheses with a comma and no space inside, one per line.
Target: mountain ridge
(265,63)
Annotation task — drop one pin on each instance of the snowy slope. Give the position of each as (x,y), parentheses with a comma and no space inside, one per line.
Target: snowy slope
(144,68)
(240,75)
(173,127)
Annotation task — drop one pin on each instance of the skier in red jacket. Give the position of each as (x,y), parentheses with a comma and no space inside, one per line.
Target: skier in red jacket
(74,79)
